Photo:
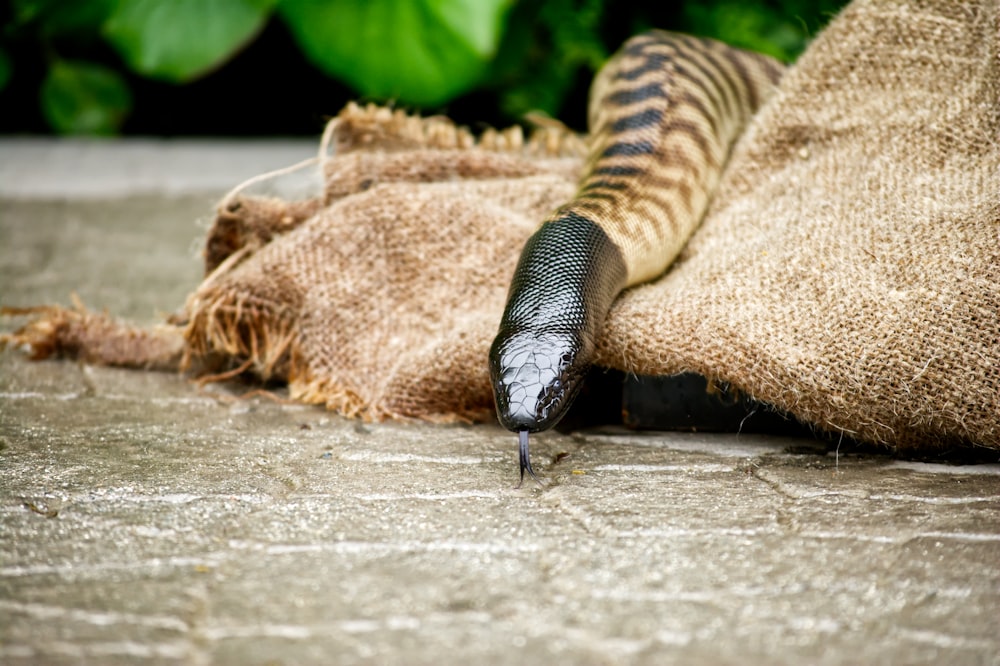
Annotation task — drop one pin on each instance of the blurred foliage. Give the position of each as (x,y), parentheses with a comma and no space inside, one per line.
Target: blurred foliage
(84,98)
(4,69)
(421,52)
(779,29)
(88,60)
(544,48)
(180,40)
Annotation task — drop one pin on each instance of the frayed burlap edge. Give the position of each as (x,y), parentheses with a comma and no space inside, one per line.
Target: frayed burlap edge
(380,128)
(224,326)
(93,337)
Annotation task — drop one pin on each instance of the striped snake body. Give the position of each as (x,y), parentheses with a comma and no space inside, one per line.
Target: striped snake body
(664,113)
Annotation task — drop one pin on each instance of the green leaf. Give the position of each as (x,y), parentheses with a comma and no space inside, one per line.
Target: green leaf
(180,40)
(84,98)
(420,52)
(5,69)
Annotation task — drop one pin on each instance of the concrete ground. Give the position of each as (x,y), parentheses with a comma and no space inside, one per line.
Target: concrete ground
(146,520)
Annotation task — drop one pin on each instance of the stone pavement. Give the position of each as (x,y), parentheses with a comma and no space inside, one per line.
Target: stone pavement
(144,519)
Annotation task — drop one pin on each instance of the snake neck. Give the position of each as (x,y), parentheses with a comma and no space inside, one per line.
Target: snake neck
(568,275)
(664,114)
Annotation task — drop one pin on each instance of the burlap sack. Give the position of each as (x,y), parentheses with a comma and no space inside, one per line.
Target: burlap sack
(848,271)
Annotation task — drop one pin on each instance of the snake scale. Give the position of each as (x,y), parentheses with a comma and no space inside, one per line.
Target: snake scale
(663,115)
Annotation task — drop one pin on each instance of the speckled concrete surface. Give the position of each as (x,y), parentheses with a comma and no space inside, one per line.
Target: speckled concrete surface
(146,520)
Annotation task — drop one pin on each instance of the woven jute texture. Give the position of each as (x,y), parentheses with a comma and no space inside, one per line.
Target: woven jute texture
(384,303)
(848,270)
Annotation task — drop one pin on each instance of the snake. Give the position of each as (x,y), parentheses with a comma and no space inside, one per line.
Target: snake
(663,115)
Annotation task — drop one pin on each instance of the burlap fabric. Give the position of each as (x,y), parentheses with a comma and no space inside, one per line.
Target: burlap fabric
(384,303)
(847,272)
(849,267)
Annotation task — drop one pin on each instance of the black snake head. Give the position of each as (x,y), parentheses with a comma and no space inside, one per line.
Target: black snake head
(568,275)
(536,376)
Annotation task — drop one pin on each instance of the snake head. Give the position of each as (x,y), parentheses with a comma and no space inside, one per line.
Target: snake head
(565,281)
(536,376)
